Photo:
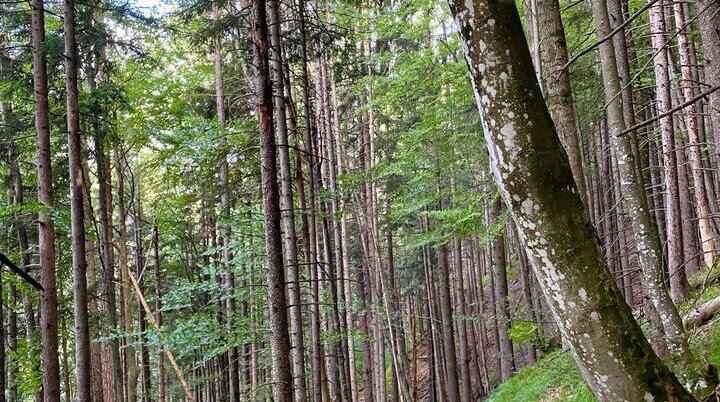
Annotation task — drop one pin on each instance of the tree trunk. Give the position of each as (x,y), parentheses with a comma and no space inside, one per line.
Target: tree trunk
(232,356)
(526,288)
(131,373)
(558,91)
(346,288)
(280,339)
(669,316)
(616,16)
(368,394)
(502,304)
(482,310)
(10,127)
(97,388)
(691,247)
(707,243)
(649,251)
(461,322)
(615,359)
(46,235)
(286,203)
(145,380)
(77,188)
(309,222)
(189,396)
(453,383)
(158,312)
(395,321)
(709,24)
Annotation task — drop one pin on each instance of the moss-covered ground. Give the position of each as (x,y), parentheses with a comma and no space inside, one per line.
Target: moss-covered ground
(555,377)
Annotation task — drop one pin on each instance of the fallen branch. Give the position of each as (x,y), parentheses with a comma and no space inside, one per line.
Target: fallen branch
(189,395)
(700,315)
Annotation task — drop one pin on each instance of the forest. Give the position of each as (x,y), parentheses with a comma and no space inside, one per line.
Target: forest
(359,201)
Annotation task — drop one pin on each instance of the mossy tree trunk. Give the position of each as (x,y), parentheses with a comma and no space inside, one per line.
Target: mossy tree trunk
(615,359)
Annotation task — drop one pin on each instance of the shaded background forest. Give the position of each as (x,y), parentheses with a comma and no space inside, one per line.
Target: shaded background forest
(404,274)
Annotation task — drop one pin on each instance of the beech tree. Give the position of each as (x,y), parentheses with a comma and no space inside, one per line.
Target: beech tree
(617,361)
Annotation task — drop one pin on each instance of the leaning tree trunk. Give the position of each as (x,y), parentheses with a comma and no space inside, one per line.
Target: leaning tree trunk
(615,359)
(280,339)
(647,244)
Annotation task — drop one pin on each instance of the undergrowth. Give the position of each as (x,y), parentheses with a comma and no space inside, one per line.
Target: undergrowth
(556,378)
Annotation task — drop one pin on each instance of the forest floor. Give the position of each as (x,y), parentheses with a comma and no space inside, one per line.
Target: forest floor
(555,377)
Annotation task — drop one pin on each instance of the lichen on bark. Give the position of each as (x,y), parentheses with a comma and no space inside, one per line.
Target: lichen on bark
(534,177)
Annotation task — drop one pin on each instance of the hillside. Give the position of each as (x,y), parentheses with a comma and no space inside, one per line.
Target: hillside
(555,377)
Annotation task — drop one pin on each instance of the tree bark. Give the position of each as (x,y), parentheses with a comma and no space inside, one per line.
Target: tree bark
(615,359)
(145,380)
(286,203)
(707,243)
(158,311)
(309,221)
(709,24)
(461,321)
(77,188)
(558,90)
(97,388)
(131,373)
(669,316)
(10,127)
(280,339)
(232,355)
(46,235)
(453,383)
(502,305)
(526,286)
(649,251)
(664,103)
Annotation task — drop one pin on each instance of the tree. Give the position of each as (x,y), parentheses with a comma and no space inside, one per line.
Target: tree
(554,56)
(77,211)
(649,250)
(616,360)
(707,242)
(502,305)
(286,201)
(46,227)
(662,79)
(709,28)
(232,356)
(280,340)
